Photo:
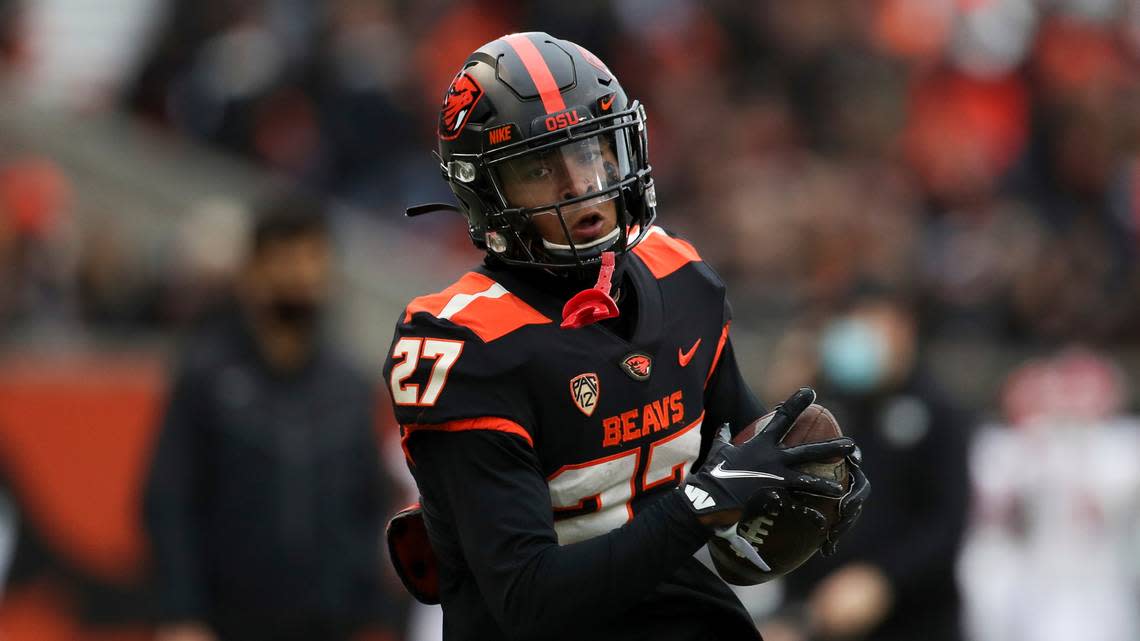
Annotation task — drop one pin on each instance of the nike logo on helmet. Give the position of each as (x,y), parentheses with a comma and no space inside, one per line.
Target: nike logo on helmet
(722,473)
(606,102)
(685,357)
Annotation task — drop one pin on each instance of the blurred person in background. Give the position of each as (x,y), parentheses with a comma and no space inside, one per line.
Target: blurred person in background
(1053,552)
(266,492)
(893,577)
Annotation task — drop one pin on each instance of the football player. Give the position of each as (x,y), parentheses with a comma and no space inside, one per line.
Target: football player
(560,404)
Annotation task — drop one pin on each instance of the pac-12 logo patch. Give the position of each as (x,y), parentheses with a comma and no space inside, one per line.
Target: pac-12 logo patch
(637,365)
(458,103)
(584,391)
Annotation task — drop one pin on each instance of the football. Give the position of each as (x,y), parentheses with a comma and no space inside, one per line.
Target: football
(785,538)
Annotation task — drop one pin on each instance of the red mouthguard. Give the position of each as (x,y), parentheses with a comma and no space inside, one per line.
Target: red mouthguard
(594,304)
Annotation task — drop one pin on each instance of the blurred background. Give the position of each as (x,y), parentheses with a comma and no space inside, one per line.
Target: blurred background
(974,164)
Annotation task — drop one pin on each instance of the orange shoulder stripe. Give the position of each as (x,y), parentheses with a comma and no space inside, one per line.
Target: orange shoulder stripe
(479,304)
(663,254)
(492,423)
(471,283)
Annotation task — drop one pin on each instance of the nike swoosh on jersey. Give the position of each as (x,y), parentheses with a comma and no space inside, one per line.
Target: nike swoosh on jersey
(722,473)
(685,357)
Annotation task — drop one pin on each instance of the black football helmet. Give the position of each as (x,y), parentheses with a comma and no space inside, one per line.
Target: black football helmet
(529,110)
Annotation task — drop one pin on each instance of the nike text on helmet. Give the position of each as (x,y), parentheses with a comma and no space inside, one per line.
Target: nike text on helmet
(528,108)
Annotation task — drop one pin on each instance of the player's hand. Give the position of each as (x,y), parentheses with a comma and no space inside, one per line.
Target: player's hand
(851,504)
(734,475)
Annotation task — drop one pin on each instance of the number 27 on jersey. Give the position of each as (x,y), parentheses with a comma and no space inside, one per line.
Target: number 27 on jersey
(411,349)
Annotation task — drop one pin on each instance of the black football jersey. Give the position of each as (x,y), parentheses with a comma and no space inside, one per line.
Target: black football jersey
(609,423)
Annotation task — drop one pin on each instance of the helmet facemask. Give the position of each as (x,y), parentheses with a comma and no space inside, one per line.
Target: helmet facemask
(565,197)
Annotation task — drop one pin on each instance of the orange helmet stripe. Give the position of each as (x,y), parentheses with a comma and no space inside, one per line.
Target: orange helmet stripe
(539,72)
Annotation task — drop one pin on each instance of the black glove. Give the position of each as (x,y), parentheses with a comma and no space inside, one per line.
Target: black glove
(734,475)
(851,504)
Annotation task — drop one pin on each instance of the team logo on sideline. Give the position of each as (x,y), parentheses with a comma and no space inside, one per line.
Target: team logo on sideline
(458,103)
(637,365)
(584,391)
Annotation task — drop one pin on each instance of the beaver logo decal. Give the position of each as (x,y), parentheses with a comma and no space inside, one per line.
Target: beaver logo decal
(637,365)
(458,103)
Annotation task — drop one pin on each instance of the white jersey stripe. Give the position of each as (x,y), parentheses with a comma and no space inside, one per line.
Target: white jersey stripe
(460,301)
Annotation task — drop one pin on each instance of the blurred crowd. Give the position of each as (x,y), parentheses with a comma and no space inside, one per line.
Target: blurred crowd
(980,154)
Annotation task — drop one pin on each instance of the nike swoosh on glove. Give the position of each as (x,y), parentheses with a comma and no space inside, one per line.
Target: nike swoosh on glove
(734,475)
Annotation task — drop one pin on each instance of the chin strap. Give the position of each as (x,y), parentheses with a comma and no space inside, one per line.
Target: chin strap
(592,305)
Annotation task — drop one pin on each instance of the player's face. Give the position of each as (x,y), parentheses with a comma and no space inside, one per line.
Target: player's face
(570,171)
